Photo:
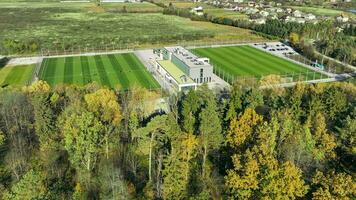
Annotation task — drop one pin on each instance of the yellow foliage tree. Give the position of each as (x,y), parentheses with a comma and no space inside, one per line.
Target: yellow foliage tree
(294,38)
(103,103)
(38,86)
(241,128)
(334,186)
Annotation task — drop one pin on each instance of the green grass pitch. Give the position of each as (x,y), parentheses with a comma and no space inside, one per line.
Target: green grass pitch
(114,70)
(15,75)
(249,61)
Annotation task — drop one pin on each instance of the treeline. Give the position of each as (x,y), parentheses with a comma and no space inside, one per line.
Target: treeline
(90,142)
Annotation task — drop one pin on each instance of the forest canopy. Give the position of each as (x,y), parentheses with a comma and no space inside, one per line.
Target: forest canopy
(90,142)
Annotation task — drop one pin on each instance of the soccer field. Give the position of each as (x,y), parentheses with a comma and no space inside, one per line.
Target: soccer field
(15,75)
(114,70)
(247,61)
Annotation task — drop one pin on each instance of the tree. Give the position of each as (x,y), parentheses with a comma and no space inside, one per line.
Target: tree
(333,186)
(29,187)
(190,108)
(2,138)
(82,139)
(322,143)
(347,135)
(210,136)
(103,103)
(294,38)
(257,174)
(242,128)
(147,138)
(178,167)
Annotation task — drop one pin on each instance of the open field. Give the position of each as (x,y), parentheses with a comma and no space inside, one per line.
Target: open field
(323,11)
(218,12)
(29,27)
(250,62)
(183,4)
(15,75)
(114,70)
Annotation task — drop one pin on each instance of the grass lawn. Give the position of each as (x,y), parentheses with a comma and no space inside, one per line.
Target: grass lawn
(15,75)
(248,61)
(114,70)
(322,11)
(56,26)
(226,13)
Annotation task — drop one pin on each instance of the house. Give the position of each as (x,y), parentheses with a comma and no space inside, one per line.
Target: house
(251,3)
(300,20)
(259,21)
(198,11)
(297,13)
(342,19)
(264,13)
(309,17)
(279,10)
(251,11)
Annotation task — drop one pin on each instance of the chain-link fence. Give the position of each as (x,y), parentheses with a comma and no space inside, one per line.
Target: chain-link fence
(280,78)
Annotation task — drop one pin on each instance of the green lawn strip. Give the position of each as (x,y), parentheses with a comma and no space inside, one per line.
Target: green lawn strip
(85,69)
(223,63)
(19,75)
(49,72)
(283,65)
(134,70)
(263,64)
(110,71)
(119,71)
(3,74)
(286,67)
(101,71)
(68,70)
(59,73)
(43,68)
(94,74)
(77,71)
(150,81)
(129,73)
(243,61)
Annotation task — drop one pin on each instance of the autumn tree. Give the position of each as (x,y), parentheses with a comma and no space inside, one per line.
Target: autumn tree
(243,127)
(333,186)
(104,104)
(83,139)
(30,186)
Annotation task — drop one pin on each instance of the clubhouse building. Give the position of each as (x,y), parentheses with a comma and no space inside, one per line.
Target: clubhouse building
(182,69)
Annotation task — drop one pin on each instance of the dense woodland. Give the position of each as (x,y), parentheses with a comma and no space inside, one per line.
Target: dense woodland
(72,142)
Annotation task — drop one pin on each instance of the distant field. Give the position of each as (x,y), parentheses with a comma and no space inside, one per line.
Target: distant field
(322,11)
(248,61)
(113,70)
(15,75)
(143,7)
(56,26)
(225,13)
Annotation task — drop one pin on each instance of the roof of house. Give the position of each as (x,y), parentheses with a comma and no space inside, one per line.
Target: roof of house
(175,72)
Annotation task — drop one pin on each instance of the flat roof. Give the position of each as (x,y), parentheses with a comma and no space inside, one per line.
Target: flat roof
(175,72)
(190,59)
